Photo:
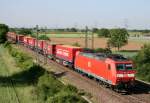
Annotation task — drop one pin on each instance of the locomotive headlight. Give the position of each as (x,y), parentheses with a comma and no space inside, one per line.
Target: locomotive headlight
(119,75)
(131,75)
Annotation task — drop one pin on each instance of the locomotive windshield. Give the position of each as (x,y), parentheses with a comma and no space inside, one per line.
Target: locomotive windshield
(124,66)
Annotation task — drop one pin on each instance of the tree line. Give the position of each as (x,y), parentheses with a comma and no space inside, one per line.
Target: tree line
(142,31)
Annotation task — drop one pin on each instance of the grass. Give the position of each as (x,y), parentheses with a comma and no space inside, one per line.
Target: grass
(77,35)
(126,53)
(7,93)
(10,90)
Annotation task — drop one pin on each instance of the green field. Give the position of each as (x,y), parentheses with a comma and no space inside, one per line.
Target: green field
(11,90)
(78,35)
(126,53)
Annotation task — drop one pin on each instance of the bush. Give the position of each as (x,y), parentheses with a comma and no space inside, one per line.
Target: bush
(44,37)
(70,88)
(25,31)
(66,98)
(28,76)
(50,90)
(3,30)
(48,86)
(142,63)
(76,44)
(101,50)
(6,44)
(103,32)
(23,60)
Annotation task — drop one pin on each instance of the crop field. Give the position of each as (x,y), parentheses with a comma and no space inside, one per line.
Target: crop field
(11,91)
(76,34)
(135,33)
(133,44)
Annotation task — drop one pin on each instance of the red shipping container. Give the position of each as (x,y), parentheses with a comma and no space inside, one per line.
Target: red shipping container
(51,48)
(45,44)
(31,41)
(40,44)
(67,52)
(25,40)
(20,38)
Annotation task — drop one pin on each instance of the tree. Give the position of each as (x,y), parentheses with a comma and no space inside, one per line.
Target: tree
(13,30)
(73,30)
(76,44)
(102,50)
(25,31)
(104,32)
(44,37)
(145,31)
(118,38)
(95,30)
(3,30)
(142,63)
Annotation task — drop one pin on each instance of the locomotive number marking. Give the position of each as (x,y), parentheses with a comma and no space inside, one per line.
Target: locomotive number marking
(89,64)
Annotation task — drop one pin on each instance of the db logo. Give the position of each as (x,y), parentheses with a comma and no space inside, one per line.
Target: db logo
(89,64)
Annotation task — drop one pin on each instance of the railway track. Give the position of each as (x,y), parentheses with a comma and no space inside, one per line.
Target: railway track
(100,94)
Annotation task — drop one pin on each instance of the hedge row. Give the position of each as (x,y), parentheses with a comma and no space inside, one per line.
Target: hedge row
(23,60)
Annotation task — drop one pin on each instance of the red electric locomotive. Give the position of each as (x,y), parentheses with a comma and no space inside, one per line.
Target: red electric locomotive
(112,69)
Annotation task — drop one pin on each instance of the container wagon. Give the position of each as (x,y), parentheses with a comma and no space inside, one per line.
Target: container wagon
(40,46)
(31,42)
(66,54)
(50,50)
(20,39)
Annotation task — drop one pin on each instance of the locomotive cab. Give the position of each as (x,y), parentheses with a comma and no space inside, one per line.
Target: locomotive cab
(125,74)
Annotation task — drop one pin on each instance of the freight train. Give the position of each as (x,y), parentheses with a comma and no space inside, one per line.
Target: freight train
(112,70)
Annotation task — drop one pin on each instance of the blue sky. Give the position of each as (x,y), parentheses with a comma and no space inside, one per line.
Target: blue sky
(76,13)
